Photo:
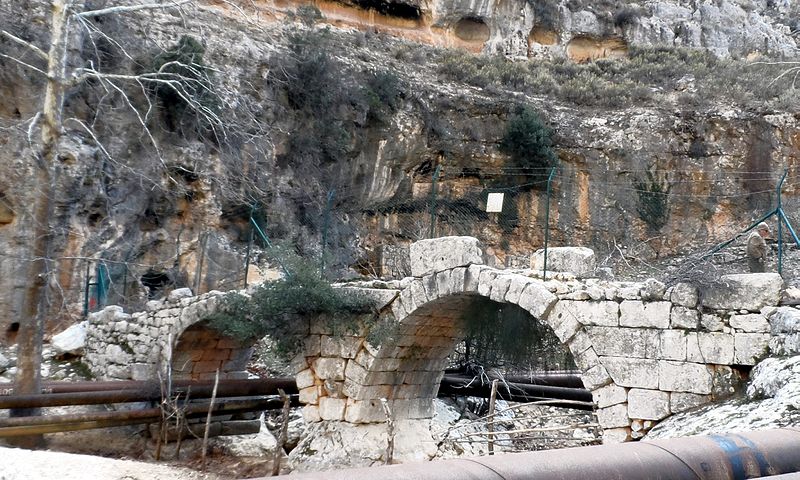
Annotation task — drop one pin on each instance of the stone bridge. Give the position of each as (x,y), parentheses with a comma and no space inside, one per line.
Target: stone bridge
(644,351)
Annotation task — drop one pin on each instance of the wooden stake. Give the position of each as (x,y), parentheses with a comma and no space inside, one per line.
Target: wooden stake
(208,421)
(490,426)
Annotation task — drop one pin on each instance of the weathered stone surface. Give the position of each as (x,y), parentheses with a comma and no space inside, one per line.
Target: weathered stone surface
(304,379)
(613,416)
(437,254)
(648,404)
(685,295)
(746,291)
(684,377)
(680,402)
(71,341)
(750,347)
(332,408)
(499,288)
(634,313)
(309,395)
(613,436)
(609,395)
(684,317)
(329,368)
(625,342)
(652,290)
(536,299)
(588,312)
(632,372)
(752,323)
(595,377)
(578,260)
(711,322)
(563,321)
(710,347)
(178,294)
(673,344)
(785,320)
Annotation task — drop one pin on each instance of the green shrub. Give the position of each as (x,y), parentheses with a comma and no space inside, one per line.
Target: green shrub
(382,93)
(527,141)
(188,100)
(281,308)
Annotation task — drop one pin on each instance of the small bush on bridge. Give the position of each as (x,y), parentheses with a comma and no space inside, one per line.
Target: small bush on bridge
(279,308)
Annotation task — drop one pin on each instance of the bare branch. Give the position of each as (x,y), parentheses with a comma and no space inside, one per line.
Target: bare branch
(26,65)
(131,8)
(38,51)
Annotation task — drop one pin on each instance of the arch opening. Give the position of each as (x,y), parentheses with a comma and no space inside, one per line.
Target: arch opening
(471,30)
(200,351)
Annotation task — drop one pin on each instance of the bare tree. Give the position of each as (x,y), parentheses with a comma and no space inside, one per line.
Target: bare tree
(185,80)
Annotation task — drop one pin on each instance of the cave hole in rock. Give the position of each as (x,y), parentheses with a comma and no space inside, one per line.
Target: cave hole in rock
(472,30)
(6,212)
(586,49)
(391,9)
(11,332)
(155,282)
(542,36)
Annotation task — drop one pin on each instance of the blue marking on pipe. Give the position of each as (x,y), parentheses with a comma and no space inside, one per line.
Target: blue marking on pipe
(764,468)
(734,455)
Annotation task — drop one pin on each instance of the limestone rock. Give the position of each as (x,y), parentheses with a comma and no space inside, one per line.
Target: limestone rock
(745,291)
(178,294)
(632,372)
(648,404)
(750,347)
(609,395)
(578,260)
(683,317)
(752,323)
(437,254)
(710,347)
(684,377)
(71,341)
(652,290)
(634,313)
(685,295)
(614,416)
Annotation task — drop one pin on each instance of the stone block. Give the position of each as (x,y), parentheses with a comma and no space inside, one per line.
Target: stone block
(340,346)
(595,377)
(305,379)
(580,342)
(437,254)
(578,260)
(710,347)
(586,359)
(609,395)
(684,295)
(632,372)
(499,288)
(652,290)
(680,402)
(485,282)
(71,341)
(752,323)
(684,317)
(634,313)
(332,408)
(749,348)
(537,300)
(471,278)
(329,368)
(311,413)
(673,344)
(711,323)
(309,395)
(364,411)
(613,416)
(746,291)
(648,404)
(625,342)
(431,291)
(785,320)
(684,377)
(516,287)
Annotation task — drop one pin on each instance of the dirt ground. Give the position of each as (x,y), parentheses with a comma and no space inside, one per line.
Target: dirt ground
(19,464)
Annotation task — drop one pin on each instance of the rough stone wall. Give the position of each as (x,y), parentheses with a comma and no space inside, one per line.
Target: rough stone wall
(644,351)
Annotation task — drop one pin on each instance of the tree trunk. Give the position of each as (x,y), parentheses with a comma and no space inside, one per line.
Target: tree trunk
(37,300)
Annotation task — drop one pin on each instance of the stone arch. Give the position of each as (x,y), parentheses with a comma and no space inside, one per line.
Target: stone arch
(407,369)
(200,351)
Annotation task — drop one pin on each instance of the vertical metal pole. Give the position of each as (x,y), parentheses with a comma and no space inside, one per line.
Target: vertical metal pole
(86,291)
(325,225)
(547,222)
(433,200)
(490,425)
(779,210)
(249,245)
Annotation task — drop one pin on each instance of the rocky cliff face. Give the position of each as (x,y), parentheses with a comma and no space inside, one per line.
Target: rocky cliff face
(157,204)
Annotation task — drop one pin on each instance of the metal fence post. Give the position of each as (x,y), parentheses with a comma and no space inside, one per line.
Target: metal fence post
(325,224)
(547,222)
(433,200)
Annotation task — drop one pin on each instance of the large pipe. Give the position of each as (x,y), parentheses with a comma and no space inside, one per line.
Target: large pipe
(512,391)
(145,392)
(250,386)
(562,378)
(717,457)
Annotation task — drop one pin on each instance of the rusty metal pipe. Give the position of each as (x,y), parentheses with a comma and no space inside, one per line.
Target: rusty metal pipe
(513,391)
(250,385)
(718,457)
(145,391)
